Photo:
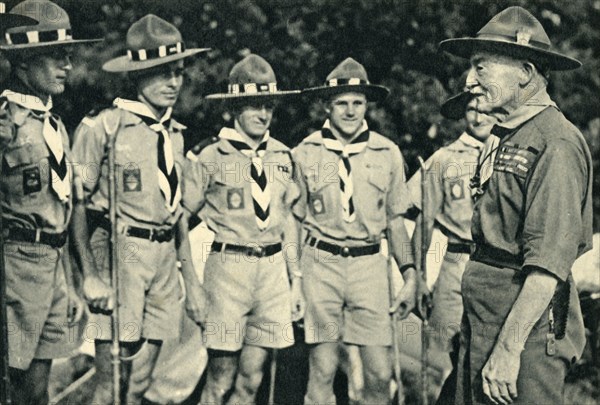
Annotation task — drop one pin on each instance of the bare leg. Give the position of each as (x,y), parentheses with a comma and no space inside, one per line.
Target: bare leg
(323,363)
(377,367)
(220,370)
(249,375)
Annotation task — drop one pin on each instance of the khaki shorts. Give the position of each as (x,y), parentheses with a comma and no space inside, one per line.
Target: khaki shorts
(149,289)
(37,304)
(249,302)
(447,310)
(346,297)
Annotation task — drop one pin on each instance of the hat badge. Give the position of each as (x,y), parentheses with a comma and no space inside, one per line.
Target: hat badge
(523,36)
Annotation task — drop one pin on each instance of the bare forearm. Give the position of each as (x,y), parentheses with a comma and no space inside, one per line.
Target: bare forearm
(399,243)
(529,306)
(291,245)
(79,234)
(184,251)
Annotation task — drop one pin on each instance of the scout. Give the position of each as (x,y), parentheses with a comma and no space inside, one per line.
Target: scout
(449,206)
(353,192)
(242,185)
(37,199)
(523,325)
(149,158)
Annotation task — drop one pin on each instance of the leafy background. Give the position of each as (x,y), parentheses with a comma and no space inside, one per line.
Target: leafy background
(304,40)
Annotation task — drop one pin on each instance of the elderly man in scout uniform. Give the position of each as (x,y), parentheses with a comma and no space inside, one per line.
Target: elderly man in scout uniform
(37,200)
(523,325)
(353,192)
(149,157)
(449,206)
(241,184)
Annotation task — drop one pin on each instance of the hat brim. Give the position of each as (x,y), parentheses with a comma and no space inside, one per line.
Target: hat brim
(455,107)
(125,64)
(238,96)
(48,44)
(15,20)
(466,47)
(373,92)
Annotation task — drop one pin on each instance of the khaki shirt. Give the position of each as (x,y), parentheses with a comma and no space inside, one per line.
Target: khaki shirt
(218,186)
(380,192)
(139,199)
(28,200)
(447,190)
(538,202)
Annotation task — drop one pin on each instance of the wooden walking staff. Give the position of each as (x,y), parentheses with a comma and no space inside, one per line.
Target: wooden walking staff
(394,316)
(424,300)
(111,132)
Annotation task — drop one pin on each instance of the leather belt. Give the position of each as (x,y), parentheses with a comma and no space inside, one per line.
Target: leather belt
(460,247)
(343,251)
(55,240)
(256,251)
(496,257)
(151,234)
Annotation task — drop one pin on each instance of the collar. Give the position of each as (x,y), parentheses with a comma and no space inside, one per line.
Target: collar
(32,103)
(364,127)
(230,134)
(532,107)
(140,109)
(470,141)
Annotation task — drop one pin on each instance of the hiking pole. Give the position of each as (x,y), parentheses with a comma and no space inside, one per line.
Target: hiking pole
(111,132)
(273,371)
(424,299)
(4,364)
(394,316)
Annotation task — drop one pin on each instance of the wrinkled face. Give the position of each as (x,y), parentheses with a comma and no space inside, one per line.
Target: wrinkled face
(160,86)
(254,117)
(496,81)
(46,71)
(479,124)
(347,112)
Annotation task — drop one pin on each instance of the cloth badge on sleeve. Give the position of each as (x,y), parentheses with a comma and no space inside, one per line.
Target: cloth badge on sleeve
(515,159)
(235,198)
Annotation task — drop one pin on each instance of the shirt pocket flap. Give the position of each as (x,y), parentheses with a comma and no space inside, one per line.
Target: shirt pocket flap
(379,179)
(25,155)
(315,183)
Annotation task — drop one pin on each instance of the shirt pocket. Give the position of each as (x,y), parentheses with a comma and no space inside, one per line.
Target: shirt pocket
(133,166)
(228,194)
(374,199)
(26,172)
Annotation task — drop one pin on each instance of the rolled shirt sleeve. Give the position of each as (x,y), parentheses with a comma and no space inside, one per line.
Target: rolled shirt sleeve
(553,219)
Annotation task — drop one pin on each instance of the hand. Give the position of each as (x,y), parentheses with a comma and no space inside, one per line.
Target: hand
(98,294)
(406,299)
(500,375)
(196,303)
(424,299)
(298,302)
(75,306)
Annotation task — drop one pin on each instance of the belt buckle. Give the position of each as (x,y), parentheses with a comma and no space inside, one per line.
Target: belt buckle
(345,251)
(158,235)
(258,251)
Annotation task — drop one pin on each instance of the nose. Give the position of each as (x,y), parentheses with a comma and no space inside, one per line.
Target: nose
(471,79)
(263,113)
(350,110)
(67,65)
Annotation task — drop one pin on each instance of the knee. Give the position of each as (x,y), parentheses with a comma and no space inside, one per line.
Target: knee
(378,376)
(248,381)
(324,369)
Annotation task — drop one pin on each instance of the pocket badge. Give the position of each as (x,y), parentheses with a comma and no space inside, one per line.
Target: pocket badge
(235,198)
(32,180)
(457,190)
(317,204)
(132,179)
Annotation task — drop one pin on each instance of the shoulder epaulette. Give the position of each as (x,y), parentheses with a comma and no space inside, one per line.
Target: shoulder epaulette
(193,153)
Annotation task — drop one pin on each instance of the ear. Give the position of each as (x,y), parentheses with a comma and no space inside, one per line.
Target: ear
(526,74)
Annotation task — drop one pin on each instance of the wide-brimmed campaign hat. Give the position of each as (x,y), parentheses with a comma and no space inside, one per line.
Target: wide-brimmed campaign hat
(151,41)
(13,20)
(53,28)
(514,32)
(348,76)
(253,76)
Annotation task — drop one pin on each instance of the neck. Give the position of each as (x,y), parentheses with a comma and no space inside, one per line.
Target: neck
(343,138)
(157,111)
(252,141)
(19,84)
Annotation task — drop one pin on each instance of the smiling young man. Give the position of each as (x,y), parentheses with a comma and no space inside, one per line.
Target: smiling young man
(353,192)
(149,159)
(523,324)
(37,199)
(241,184)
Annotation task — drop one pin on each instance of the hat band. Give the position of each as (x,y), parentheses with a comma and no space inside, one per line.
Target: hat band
(38,37)
(252,88)
(2,8)
(353,81)
(526,41)
(156,53)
